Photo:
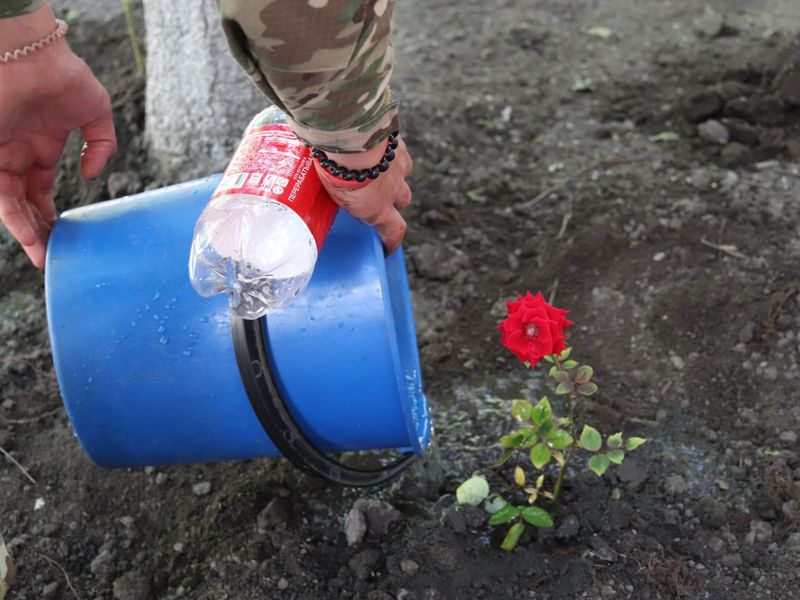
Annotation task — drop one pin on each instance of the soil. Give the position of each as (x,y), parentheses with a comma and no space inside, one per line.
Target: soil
(546,157)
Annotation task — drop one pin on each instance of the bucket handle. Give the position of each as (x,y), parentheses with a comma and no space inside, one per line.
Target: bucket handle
(255,368)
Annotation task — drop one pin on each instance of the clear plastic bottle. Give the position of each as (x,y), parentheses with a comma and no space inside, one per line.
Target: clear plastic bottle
(259,236)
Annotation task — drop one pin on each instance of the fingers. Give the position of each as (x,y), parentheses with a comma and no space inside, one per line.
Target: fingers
(101,141)
(40,192)
(37,251)
(12,213)
(391,227)
(22,220)
(403,198)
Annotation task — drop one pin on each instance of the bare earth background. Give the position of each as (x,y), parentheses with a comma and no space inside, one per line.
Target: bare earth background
(679,261)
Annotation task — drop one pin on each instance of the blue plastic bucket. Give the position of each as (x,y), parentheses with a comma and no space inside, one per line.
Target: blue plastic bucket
(148,369)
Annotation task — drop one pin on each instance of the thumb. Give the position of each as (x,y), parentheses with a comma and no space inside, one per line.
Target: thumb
(101,142)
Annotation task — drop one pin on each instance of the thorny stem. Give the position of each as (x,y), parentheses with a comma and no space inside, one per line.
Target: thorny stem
(570,402)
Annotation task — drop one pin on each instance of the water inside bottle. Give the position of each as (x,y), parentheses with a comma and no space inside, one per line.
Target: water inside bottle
(259,252)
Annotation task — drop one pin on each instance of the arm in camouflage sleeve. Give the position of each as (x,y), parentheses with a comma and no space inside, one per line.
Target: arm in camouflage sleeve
(326,63)
(15,8)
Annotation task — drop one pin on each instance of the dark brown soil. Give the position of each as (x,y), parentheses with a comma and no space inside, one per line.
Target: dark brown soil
(538,165)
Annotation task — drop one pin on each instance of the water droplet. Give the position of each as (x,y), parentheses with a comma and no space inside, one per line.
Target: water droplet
(313,318)
(163,340)
(204,319)
(90,380)
(352,329)
(174,299)
(162,329)
(133,323)
(157,296)
(155,317)
(193,335)
(146,306)
(187,352)
(341,325)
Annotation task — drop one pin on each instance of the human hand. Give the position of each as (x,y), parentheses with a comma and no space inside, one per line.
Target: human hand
(43,97)
(379,203)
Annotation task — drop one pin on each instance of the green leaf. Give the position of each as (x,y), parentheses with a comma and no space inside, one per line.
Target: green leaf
(632,443)
(72,15)
(537,517)
(495,504)
(542,412)
(598,463)
(477,195)
(569,364)
(512,440)
(540,455)
(590,438)
(540,481)
(614,441)
(583,374)
(587,389)
(473,491)
(559,438)
(512,537)
(544,431)
(504,457)
(565,353)
(550,358)
(599,31)
(521,409)
(616,456)
(559,375)
(564,388)
(665,136)
(504,515)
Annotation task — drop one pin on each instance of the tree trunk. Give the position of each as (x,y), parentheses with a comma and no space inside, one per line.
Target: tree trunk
(198,99)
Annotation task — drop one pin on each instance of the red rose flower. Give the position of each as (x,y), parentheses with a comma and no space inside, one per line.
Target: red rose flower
(533,328)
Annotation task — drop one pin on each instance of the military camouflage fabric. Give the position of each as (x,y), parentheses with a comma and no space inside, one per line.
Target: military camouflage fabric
(326,63)
(6,569)
(14,8)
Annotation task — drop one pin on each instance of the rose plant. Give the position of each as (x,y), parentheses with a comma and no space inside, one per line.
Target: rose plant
(534,330)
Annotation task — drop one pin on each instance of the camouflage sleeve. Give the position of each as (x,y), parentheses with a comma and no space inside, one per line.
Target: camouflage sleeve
(15,8)
(326,63)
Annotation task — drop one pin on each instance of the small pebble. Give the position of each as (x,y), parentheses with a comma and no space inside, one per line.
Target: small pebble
(201,489)
(409,566)
(676,485)
(283,583)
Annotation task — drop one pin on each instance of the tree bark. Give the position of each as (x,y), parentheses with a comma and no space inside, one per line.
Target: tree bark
(198,99)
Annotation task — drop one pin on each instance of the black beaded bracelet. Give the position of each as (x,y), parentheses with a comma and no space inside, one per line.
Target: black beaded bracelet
(359,175)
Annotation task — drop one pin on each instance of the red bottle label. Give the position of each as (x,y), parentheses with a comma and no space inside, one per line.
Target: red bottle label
(272,163)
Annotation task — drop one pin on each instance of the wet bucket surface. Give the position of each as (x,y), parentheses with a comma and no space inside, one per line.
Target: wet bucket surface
(147,367)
